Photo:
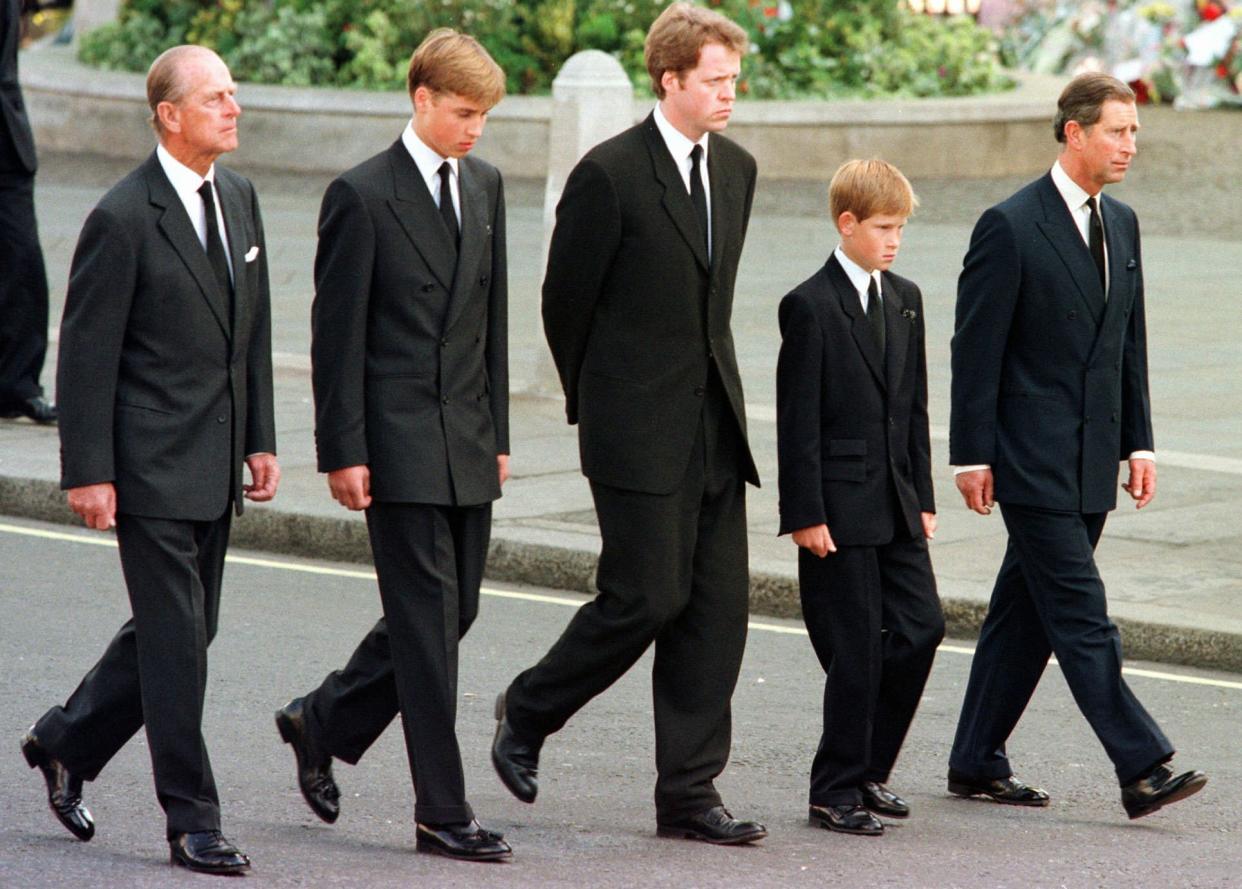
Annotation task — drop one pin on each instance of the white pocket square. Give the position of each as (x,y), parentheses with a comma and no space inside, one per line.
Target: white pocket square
(252,253)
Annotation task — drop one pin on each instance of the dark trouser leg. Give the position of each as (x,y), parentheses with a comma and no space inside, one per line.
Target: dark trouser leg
(1009,659)
(913,626)
(841,606)
(23,292)
(429,562)
(1057,552)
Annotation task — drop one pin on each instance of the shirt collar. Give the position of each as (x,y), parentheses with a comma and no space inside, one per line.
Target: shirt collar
(1071,192)
(184,180)
(678,144)
(427,160)
(857,275)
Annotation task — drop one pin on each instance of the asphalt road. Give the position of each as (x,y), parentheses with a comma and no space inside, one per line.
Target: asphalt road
(285,622)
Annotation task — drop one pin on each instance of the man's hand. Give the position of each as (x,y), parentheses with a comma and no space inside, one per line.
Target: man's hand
(976,488)
(502,464)
(929,525)
(1142,483)
(815,538)
(351,486)
(96,504)
(264,477)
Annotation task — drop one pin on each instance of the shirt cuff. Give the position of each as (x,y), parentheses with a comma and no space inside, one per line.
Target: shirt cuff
(1143,455)
(958,470)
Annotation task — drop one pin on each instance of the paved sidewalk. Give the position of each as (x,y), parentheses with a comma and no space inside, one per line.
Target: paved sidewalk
(1174,571)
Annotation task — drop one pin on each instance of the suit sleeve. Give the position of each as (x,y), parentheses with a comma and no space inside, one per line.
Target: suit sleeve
(920,433)
(1136,428)
(584,241)
(102,278)
(987,296)
(799,375)
(498,327)
(260,404)
(343,266)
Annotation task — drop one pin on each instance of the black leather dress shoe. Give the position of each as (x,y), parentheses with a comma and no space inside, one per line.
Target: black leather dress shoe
(1008,790)
(207,852)
(37,408)
(849,818)
(314,766)
(879,799)
(465,842)
(714,825)
(1157,790)
(516,761)
(64,790)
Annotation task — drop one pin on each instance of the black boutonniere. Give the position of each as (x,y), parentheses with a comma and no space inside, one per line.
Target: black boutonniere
(909,314)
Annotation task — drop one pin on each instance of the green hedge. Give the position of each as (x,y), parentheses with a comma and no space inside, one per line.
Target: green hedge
(801,48)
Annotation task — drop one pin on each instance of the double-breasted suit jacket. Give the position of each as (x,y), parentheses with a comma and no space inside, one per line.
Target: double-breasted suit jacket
(164,388)
(852,422)
(635,314)
(1049,378)
(410,358)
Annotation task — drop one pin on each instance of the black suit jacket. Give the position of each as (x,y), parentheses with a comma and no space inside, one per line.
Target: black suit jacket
(159,393)
(17,149)
(1049,379)
(410,360)
(851,423)
(635,315)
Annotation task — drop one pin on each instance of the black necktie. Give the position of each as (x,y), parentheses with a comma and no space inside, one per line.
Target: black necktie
(446,205)
(875,313)
(215,247)
(698,196)
(1095,240)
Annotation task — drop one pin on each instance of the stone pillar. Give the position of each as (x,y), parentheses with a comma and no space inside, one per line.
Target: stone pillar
(90,14)
(593,99)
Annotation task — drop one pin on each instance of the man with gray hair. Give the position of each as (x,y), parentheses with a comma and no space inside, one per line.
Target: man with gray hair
(165,387)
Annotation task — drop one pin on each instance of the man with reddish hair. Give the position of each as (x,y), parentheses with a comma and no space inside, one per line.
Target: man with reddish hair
(636,307)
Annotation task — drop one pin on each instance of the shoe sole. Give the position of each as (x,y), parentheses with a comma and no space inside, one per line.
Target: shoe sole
(284,726)
(432,849)
(174,861)
(885,813)
(1189,789)
(677,833)
(965,791)
(820,822)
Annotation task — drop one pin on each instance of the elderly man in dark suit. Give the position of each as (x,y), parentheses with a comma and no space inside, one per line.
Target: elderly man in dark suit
(23,284)
(1049,394)
(165,383)
(411,388)
(636,307)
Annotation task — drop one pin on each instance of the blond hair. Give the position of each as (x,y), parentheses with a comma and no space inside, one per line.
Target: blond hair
(678,35)
(448,61)
(870,188)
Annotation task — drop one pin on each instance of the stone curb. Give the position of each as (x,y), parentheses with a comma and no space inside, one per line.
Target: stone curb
(571,569)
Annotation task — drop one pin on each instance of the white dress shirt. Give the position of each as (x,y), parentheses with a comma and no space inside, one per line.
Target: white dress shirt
(680,146)
(428,163)
(186,183)
(1076,199)
(860,278)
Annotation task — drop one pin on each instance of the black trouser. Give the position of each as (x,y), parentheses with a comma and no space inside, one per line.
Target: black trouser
(154,671)
(673,571)
(874,620)
(23,292)
(1049,599)
(429,560)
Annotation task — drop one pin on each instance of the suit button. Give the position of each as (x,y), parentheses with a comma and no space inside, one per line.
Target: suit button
(427,288)
(443,342)
(1116,365)
(1114,418)
(699,390)
(222,419)
(1072,315)
(483,281)
(445,399)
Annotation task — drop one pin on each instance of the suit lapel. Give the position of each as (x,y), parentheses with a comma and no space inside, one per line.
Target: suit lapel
(475,230)
(859,328)
(176,226)
(420,217)
(1120,254)
(896,331)
(676,199)
(724,204)
(235,215)
(1062,233)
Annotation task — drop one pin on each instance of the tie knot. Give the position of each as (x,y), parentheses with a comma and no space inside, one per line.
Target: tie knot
(696,156)
(873,287)
(446,171)
(205,193)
